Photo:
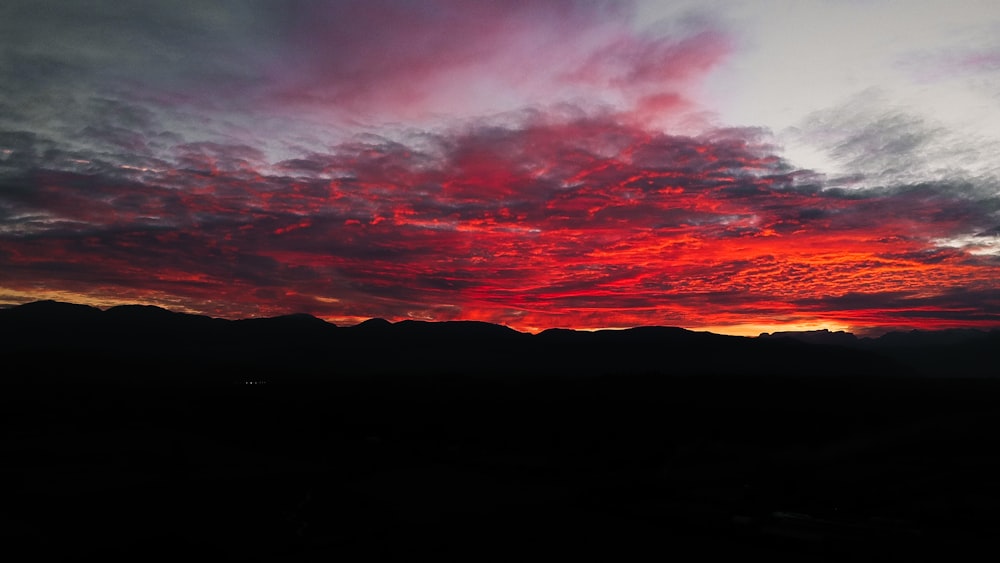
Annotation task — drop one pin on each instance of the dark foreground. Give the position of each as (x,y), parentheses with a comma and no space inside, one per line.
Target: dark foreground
(138,434)
(491,469)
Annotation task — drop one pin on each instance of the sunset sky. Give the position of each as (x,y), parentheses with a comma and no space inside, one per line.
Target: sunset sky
(734,166)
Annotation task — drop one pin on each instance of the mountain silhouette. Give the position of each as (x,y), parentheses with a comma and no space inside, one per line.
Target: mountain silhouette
(454,330)
(300,343)
(295,346)
(50,313)
(289,438)
(943,353)
(824,336)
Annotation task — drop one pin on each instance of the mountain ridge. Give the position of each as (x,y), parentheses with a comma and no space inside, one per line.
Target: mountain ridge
(147,414)
(138,312)
(156,343)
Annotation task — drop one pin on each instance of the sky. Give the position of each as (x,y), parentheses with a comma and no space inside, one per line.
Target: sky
(733,166)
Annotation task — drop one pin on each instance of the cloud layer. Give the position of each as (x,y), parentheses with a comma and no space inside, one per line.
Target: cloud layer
(586,222)
(537,164)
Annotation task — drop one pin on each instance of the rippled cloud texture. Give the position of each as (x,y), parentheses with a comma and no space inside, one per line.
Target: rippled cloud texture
(537,164)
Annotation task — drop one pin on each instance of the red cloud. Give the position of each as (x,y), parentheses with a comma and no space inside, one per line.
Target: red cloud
(581,223)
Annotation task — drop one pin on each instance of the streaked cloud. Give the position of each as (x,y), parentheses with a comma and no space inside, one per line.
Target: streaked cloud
(531,163)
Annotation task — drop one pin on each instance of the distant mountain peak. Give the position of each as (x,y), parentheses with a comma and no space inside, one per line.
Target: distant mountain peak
(50,311)
(456,329)
(373,323)
(137,308)
(54,305)
(304,317)
(820,336)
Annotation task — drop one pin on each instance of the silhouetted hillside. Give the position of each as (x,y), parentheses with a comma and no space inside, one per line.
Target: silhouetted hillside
(48,314)
(192,348)
(825,337)
(945,353)
(138,433)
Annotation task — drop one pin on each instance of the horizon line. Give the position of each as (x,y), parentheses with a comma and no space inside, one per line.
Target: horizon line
(745,330)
